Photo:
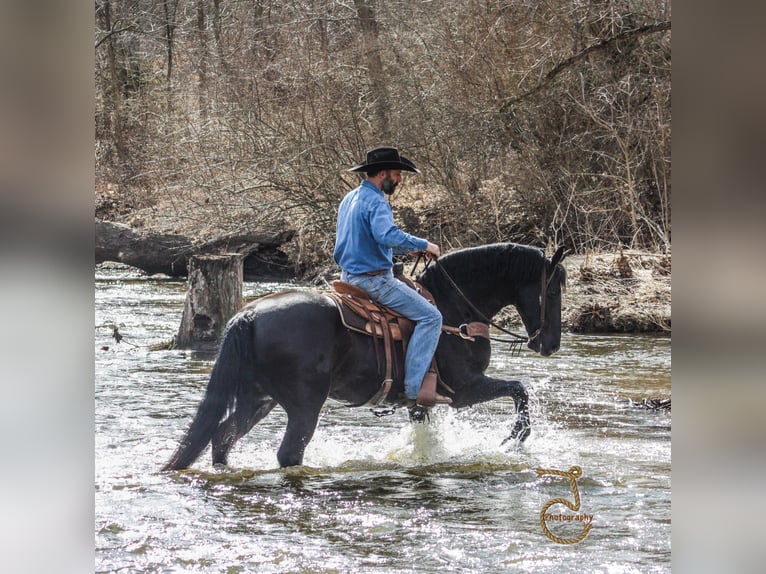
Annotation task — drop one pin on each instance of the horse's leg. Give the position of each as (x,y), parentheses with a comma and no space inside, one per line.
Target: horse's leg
(247,414)
(523,426)
(300,428)
(302,407)
(486,389)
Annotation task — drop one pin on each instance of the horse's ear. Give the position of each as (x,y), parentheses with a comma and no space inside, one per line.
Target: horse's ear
(558,257)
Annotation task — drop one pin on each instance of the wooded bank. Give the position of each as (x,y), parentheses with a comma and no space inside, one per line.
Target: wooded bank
(539,122)
(623,292)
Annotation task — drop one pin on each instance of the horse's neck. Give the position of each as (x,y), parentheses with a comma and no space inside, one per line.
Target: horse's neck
(489,296)
(489,292)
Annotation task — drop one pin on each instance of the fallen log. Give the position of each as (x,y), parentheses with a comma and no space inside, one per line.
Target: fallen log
(165,253)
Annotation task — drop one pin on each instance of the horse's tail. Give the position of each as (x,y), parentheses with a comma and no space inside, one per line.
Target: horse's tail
(233,367)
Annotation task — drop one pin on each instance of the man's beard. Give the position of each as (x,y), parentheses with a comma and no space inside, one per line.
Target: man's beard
(388,186)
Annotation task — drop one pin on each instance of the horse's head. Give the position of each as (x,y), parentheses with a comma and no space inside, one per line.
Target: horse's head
(539,305)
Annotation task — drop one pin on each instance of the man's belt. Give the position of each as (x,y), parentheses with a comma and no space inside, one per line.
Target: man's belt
(378,272)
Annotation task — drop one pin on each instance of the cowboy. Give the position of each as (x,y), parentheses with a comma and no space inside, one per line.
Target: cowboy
(366,240)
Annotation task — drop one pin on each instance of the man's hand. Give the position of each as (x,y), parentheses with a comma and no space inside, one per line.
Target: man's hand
(432,251)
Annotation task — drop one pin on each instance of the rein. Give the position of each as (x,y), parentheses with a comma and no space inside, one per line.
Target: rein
(517,339)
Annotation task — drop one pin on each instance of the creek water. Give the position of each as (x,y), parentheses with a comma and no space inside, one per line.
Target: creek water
(380,494)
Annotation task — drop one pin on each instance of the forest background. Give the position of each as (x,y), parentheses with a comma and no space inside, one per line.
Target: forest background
(545,122)
(541,122)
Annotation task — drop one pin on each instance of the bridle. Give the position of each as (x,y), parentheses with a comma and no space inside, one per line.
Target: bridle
(517,339)
(544,284)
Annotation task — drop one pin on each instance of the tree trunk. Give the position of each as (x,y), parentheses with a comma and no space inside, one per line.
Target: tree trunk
(170,28)
(202,62)
(169,254)
(371,45)
(213,296)
(115,90)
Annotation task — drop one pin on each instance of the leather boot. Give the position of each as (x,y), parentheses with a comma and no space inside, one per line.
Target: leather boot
(427,396)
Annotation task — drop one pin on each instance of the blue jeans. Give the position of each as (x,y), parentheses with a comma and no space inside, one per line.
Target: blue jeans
(392,293)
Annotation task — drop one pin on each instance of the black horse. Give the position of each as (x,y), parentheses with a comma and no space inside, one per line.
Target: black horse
(291,349)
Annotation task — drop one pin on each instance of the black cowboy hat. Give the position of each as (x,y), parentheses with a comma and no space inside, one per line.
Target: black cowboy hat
(381,158)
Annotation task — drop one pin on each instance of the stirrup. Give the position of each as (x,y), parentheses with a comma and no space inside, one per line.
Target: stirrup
(419,414)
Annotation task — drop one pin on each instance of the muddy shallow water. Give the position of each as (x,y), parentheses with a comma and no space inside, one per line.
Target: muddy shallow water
(380,494)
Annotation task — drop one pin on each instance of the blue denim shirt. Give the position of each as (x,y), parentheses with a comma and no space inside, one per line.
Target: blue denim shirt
(366,235)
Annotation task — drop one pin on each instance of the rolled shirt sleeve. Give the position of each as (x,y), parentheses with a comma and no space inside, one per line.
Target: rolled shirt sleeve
(385,231)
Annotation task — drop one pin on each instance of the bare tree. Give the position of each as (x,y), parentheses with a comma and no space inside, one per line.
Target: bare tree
(170,8)
(532,121)
(202,57)
(378,93)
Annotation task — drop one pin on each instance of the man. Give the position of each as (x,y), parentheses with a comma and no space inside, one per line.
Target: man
(366,240)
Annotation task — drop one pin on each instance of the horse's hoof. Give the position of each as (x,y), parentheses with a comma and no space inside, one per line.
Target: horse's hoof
(523,434)
(519,434)
(419,414)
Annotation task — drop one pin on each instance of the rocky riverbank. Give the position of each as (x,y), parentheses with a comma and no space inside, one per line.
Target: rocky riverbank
(626,292)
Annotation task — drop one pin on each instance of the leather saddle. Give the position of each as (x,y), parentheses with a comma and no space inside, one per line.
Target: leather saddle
(361,314)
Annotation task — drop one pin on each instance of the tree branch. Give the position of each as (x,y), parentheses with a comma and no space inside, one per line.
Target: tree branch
(112,33)
(600,45)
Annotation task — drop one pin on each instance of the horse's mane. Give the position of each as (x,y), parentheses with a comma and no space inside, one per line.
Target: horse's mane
(523,262)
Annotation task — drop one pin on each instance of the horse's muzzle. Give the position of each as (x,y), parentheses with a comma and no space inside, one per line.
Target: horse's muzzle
(545,350)
(549,352)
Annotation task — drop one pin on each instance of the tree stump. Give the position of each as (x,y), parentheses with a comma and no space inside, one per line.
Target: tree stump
(213,296)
